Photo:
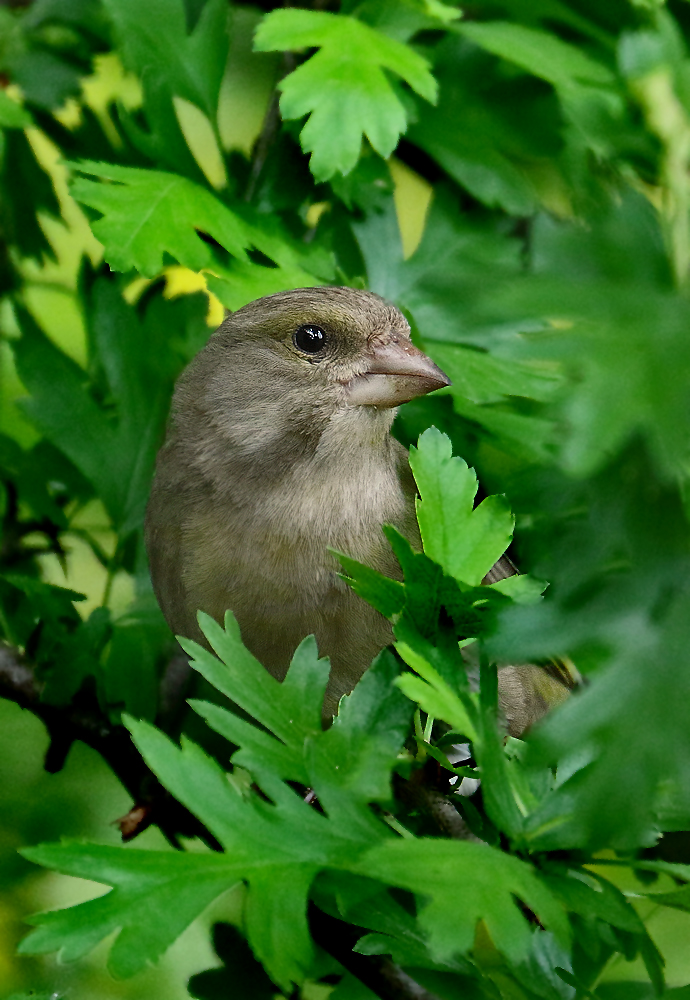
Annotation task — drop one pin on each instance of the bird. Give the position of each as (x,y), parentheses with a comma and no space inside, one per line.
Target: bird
(279,450)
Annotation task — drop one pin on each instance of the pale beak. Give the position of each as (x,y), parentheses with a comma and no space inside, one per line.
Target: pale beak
(396,372)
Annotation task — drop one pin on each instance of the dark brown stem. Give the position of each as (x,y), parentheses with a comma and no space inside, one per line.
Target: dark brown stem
(269,130)
(386,979)
(83,720)
(435,805)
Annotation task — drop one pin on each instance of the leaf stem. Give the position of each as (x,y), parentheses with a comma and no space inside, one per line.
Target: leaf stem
(396,825)
(112,569)
(419,735)
(7,628)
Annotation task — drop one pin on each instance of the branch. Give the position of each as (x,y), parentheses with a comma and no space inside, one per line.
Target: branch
(433,803)
(386,979)
(84,720)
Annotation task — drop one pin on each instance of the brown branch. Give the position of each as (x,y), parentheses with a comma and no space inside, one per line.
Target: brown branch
(83,720)
(416,793)
(386,979)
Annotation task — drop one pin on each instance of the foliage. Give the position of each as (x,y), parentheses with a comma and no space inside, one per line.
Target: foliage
(551,141)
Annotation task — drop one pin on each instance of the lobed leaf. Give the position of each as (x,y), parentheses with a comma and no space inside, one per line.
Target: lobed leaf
(343,87)
(150,904)
(147,213)
(466,883)
(465,541)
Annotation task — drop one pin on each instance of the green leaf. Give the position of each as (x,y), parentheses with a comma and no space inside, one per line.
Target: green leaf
(384,594)
(482,377)
(521,588)
(155,895)
(25,189)
(626,706)
(43,618)
(30,996)
(538,52)
(343,87)
(66,665)
(368,731)
(13,115)
(148,212)
(351,763)
(275,847)
(589,896)
(62,406)
(679,900)
(486,880)
(51,603)
(466,542)
(623,381)
(154,41)
(428,590)
(243,282)
(639,991)
(506,792)
(291,709)
(433,696)
(136,656)
(178,54)
(259,751)
(46,80)
(490,135)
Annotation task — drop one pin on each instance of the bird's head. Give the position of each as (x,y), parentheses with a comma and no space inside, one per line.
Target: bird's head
(297,358)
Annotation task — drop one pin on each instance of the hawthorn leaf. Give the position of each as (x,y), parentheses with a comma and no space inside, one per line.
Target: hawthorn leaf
(384,594)
(626,705)
(538,52)
(350,764)
(149,212)
(521,588)
(464,883)
(155,895)
(64,411)
(243,281)
(114,452)
(343,87)
(466,542)
(483,377)
(434,694)
(277,847)
(155,41)
(291,709)
(259,751)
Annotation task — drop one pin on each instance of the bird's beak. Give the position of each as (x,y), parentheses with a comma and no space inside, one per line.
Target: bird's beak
(396,372)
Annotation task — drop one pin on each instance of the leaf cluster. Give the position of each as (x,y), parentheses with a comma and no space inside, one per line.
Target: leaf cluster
(549,144)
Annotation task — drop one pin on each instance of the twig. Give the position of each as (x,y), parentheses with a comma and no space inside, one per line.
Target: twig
(386,979)
(83,720)
(269,130)
(434,804)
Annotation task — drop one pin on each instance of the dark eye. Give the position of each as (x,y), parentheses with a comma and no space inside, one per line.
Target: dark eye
(310,338)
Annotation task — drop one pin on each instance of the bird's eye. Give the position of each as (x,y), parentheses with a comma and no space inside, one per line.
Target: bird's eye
(310,338)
